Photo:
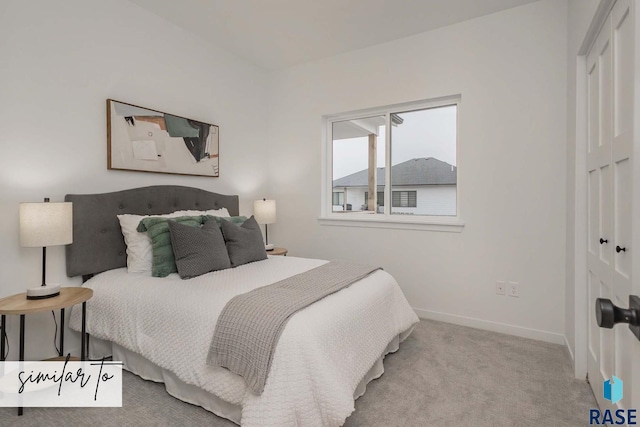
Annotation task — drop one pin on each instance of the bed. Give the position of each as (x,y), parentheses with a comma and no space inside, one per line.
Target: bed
(162,328)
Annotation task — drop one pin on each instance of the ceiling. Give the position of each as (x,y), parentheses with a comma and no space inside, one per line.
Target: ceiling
(276,34)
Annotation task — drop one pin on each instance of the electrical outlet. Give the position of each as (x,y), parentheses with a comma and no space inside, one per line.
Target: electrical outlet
(512,289)
(501,288)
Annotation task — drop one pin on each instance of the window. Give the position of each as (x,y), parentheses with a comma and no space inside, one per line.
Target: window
(404,199)
(338,198)
(358,149)
(404,154)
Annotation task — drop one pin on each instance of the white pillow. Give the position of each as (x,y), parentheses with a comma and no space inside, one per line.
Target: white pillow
(139,252)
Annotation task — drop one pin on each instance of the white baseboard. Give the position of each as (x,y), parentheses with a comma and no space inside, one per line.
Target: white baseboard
(566,343)
(487,325)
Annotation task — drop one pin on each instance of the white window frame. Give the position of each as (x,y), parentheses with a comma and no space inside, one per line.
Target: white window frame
(386,219)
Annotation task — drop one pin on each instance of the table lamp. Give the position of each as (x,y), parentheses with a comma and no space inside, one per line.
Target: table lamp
(41,225)
(264,211)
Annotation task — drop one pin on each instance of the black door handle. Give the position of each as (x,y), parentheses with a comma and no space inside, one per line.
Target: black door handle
(603,240)
(619,249)
(608,314)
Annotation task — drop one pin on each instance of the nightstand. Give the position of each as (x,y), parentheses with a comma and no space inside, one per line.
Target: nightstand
(278,251)
(19,305)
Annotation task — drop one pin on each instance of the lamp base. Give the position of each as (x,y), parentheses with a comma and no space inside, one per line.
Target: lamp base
(269,247)
(42,292)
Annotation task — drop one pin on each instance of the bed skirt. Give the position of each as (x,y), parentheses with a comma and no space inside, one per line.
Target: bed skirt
(177,388)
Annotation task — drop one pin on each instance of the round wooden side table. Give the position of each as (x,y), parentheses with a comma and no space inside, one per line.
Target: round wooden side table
(19,305)
(278,251)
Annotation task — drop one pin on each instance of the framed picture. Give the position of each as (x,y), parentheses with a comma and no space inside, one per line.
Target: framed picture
(141,139)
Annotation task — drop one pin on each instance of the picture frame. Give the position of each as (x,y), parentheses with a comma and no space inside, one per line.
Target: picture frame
(146,140)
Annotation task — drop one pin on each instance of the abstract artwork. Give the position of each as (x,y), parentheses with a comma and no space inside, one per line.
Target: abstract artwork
(140,139)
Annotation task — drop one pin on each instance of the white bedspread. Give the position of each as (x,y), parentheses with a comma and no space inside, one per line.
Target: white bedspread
(323,353)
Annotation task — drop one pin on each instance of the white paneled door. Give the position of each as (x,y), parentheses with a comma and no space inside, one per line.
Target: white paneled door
(610,98)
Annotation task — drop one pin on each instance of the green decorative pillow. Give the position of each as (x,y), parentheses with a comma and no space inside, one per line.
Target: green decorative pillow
(164,261)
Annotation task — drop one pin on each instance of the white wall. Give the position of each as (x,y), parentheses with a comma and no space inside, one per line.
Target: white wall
(510,68)
(581,14)
(59,62)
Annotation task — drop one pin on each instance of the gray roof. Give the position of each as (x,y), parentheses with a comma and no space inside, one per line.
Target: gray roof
(429,171)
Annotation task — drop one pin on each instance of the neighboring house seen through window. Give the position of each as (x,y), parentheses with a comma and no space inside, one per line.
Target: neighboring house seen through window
(421,154)
(399,199)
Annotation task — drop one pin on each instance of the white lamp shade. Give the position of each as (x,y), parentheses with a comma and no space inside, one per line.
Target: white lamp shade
(46,224)
(264,211)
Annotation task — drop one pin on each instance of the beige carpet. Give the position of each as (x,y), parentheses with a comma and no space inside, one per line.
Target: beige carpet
(443,375)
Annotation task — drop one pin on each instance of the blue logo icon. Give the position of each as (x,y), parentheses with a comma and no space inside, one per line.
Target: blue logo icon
(613,389)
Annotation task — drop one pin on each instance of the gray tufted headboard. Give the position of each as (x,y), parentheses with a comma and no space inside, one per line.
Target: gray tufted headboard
(98,244)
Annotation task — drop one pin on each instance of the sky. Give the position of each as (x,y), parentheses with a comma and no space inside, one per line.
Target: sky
(424,133)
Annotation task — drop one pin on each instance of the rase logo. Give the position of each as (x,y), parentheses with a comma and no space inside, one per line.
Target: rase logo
(613,391)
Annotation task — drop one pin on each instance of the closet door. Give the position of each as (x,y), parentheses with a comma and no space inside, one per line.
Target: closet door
(600,214)
(622,145)
(610,175)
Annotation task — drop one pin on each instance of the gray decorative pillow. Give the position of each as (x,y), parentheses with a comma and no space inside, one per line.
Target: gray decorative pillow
(198,250)
(244,242)
(157,228)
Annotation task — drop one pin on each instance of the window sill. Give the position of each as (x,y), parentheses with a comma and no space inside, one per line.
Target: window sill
(450,226)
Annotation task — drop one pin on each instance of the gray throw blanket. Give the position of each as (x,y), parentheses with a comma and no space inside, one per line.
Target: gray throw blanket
(250,325)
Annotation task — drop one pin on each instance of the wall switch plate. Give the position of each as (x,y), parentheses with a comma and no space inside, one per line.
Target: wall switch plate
(512,289)
(501,288)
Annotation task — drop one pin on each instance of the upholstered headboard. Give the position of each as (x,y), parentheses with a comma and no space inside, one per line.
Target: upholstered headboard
(98,244)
